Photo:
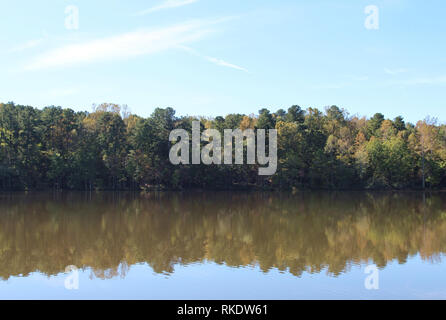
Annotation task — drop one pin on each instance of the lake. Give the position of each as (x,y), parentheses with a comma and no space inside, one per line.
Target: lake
(223,245)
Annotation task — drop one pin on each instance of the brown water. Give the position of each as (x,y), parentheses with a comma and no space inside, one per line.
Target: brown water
(223,245)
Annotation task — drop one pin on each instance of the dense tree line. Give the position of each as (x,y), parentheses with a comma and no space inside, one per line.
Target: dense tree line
(110,148)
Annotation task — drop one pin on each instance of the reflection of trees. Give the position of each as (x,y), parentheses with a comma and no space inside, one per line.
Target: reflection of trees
(302,232)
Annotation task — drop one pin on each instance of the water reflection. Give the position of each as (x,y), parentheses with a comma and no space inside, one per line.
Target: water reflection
(296,233)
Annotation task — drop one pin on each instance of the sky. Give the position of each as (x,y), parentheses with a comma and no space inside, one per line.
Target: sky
(213,57)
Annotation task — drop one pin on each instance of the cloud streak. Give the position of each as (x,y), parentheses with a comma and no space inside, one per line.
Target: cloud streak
(168,4)
(223,63)
(213,60)
(123,46)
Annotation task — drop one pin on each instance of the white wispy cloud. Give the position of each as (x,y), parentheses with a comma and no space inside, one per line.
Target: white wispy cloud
(216,61)
(225,64)
(125,45)
(394,71)
(27,45)
(168,4)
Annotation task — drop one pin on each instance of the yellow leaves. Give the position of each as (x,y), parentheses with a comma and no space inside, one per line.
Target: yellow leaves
(248,123)
(387,130)
(208,124)
(360,139)
(131,122)
(90,122)
(428,135)
(286,128)
(412,141)
(288,134)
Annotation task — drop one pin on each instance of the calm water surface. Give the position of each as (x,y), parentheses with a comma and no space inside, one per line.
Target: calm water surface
(223,245)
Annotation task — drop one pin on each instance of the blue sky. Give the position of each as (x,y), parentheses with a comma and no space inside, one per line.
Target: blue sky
(213,57)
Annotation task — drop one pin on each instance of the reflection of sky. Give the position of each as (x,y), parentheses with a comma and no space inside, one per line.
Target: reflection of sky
(416,279)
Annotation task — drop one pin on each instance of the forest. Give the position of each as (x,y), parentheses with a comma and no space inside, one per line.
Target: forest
(111,149)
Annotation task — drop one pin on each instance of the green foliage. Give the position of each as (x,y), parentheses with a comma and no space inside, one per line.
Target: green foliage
(112,149)
(266,120)
(375,123)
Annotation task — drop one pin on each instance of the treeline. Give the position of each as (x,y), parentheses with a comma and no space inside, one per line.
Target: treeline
(111,149)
